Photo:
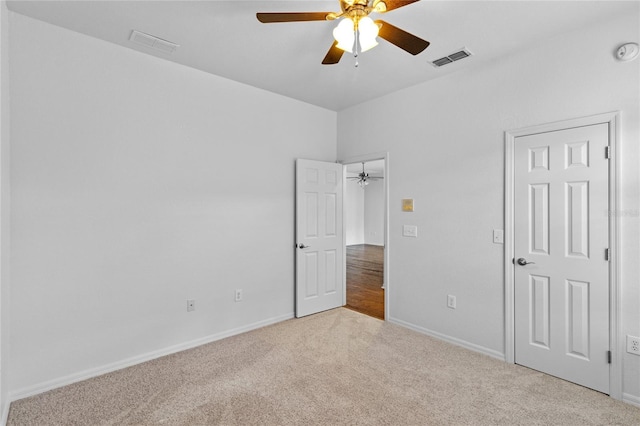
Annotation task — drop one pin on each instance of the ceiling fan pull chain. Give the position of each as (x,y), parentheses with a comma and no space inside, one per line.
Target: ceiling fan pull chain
(355,50)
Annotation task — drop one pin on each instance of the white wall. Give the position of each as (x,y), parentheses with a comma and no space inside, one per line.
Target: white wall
(354,212)
(448,154)
(4,208)
(136,184)
(374,213)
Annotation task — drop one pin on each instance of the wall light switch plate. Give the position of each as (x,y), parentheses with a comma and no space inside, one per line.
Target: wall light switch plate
(498,236)
(410,231)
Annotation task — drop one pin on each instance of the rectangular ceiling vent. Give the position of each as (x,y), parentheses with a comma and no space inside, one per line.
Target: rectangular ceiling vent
(456,56)
(153,42)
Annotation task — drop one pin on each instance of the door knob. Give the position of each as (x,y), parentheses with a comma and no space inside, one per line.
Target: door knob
(302,246)
(522,261)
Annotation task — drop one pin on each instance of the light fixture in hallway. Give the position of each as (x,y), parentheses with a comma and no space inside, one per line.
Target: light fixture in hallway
(363,178)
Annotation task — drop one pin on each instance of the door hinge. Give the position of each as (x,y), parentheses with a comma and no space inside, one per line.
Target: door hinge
(608,357)
(607,255)
(607,152)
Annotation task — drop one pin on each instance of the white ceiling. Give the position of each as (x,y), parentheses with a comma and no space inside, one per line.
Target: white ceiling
(226,39)
(375,167)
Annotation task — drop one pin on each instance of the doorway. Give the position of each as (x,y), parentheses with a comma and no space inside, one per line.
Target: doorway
(365,216)
(561,251)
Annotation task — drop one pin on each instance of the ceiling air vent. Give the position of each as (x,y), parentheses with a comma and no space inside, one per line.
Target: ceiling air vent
(153,42)
(442,61)
(456,56)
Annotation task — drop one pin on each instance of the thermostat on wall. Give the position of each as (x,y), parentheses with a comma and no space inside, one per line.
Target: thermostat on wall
(407,205)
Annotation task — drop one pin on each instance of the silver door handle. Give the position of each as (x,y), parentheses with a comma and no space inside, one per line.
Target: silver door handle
(302,246)
(522,261)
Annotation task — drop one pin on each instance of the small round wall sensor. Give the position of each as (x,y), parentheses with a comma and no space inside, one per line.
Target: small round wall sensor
(627,52)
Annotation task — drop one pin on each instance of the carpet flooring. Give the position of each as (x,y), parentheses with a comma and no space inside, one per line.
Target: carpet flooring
(334,368)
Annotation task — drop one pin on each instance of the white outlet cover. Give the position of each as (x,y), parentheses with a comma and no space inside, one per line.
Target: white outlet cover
(498,236)
(410,231)
(633,345)
(451,301)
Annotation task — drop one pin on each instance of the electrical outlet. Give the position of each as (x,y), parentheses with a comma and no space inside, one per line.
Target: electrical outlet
(498,236)
(191,305)
(410,231)
(633,345)
(238,294)
(451,301)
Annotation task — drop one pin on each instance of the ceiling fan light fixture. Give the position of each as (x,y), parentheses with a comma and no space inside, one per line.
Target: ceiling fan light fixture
(363,182)
(344,34)
(356,32)
(368,31)
(363,178)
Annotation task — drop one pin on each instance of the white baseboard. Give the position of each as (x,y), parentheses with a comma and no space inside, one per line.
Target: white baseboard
(631,399)
(627,398)
(108,368)
(449,339)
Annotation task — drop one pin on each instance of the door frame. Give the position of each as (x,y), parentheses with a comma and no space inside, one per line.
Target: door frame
(360,159)
(615,320)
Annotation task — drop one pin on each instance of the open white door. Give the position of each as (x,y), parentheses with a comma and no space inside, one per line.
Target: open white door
(561,264)
(319,237)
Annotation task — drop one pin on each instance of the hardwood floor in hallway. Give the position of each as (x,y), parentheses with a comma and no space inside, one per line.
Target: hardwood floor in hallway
(365,267)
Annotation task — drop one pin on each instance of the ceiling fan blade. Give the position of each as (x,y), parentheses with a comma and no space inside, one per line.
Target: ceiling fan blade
(393,4)
(333,55)
(268,17)
(401,38)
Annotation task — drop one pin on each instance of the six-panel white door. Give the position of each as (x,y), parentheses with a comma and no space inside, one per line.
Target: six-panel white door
(561,229)
(319,236)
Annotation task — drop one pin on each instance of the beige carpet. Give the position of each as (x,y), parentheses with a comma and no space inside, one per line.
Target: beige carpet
(338,367)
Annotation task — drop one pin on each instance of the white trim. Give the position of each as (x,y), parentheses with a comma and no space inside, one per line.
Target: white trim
(631,399)
(458,342)
(615,321)
(616,339)
(509,330)
(108,368)
(5,412)
(359,159)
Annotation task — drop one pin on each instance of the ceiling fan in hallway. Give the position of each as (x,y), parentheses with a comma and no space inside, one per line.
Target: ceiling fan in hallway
(363,178)
(356,32)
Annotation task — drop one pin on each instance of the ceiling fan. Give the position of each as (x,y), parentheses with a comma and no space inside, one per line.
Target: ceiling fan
(356,31)
(363,178)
